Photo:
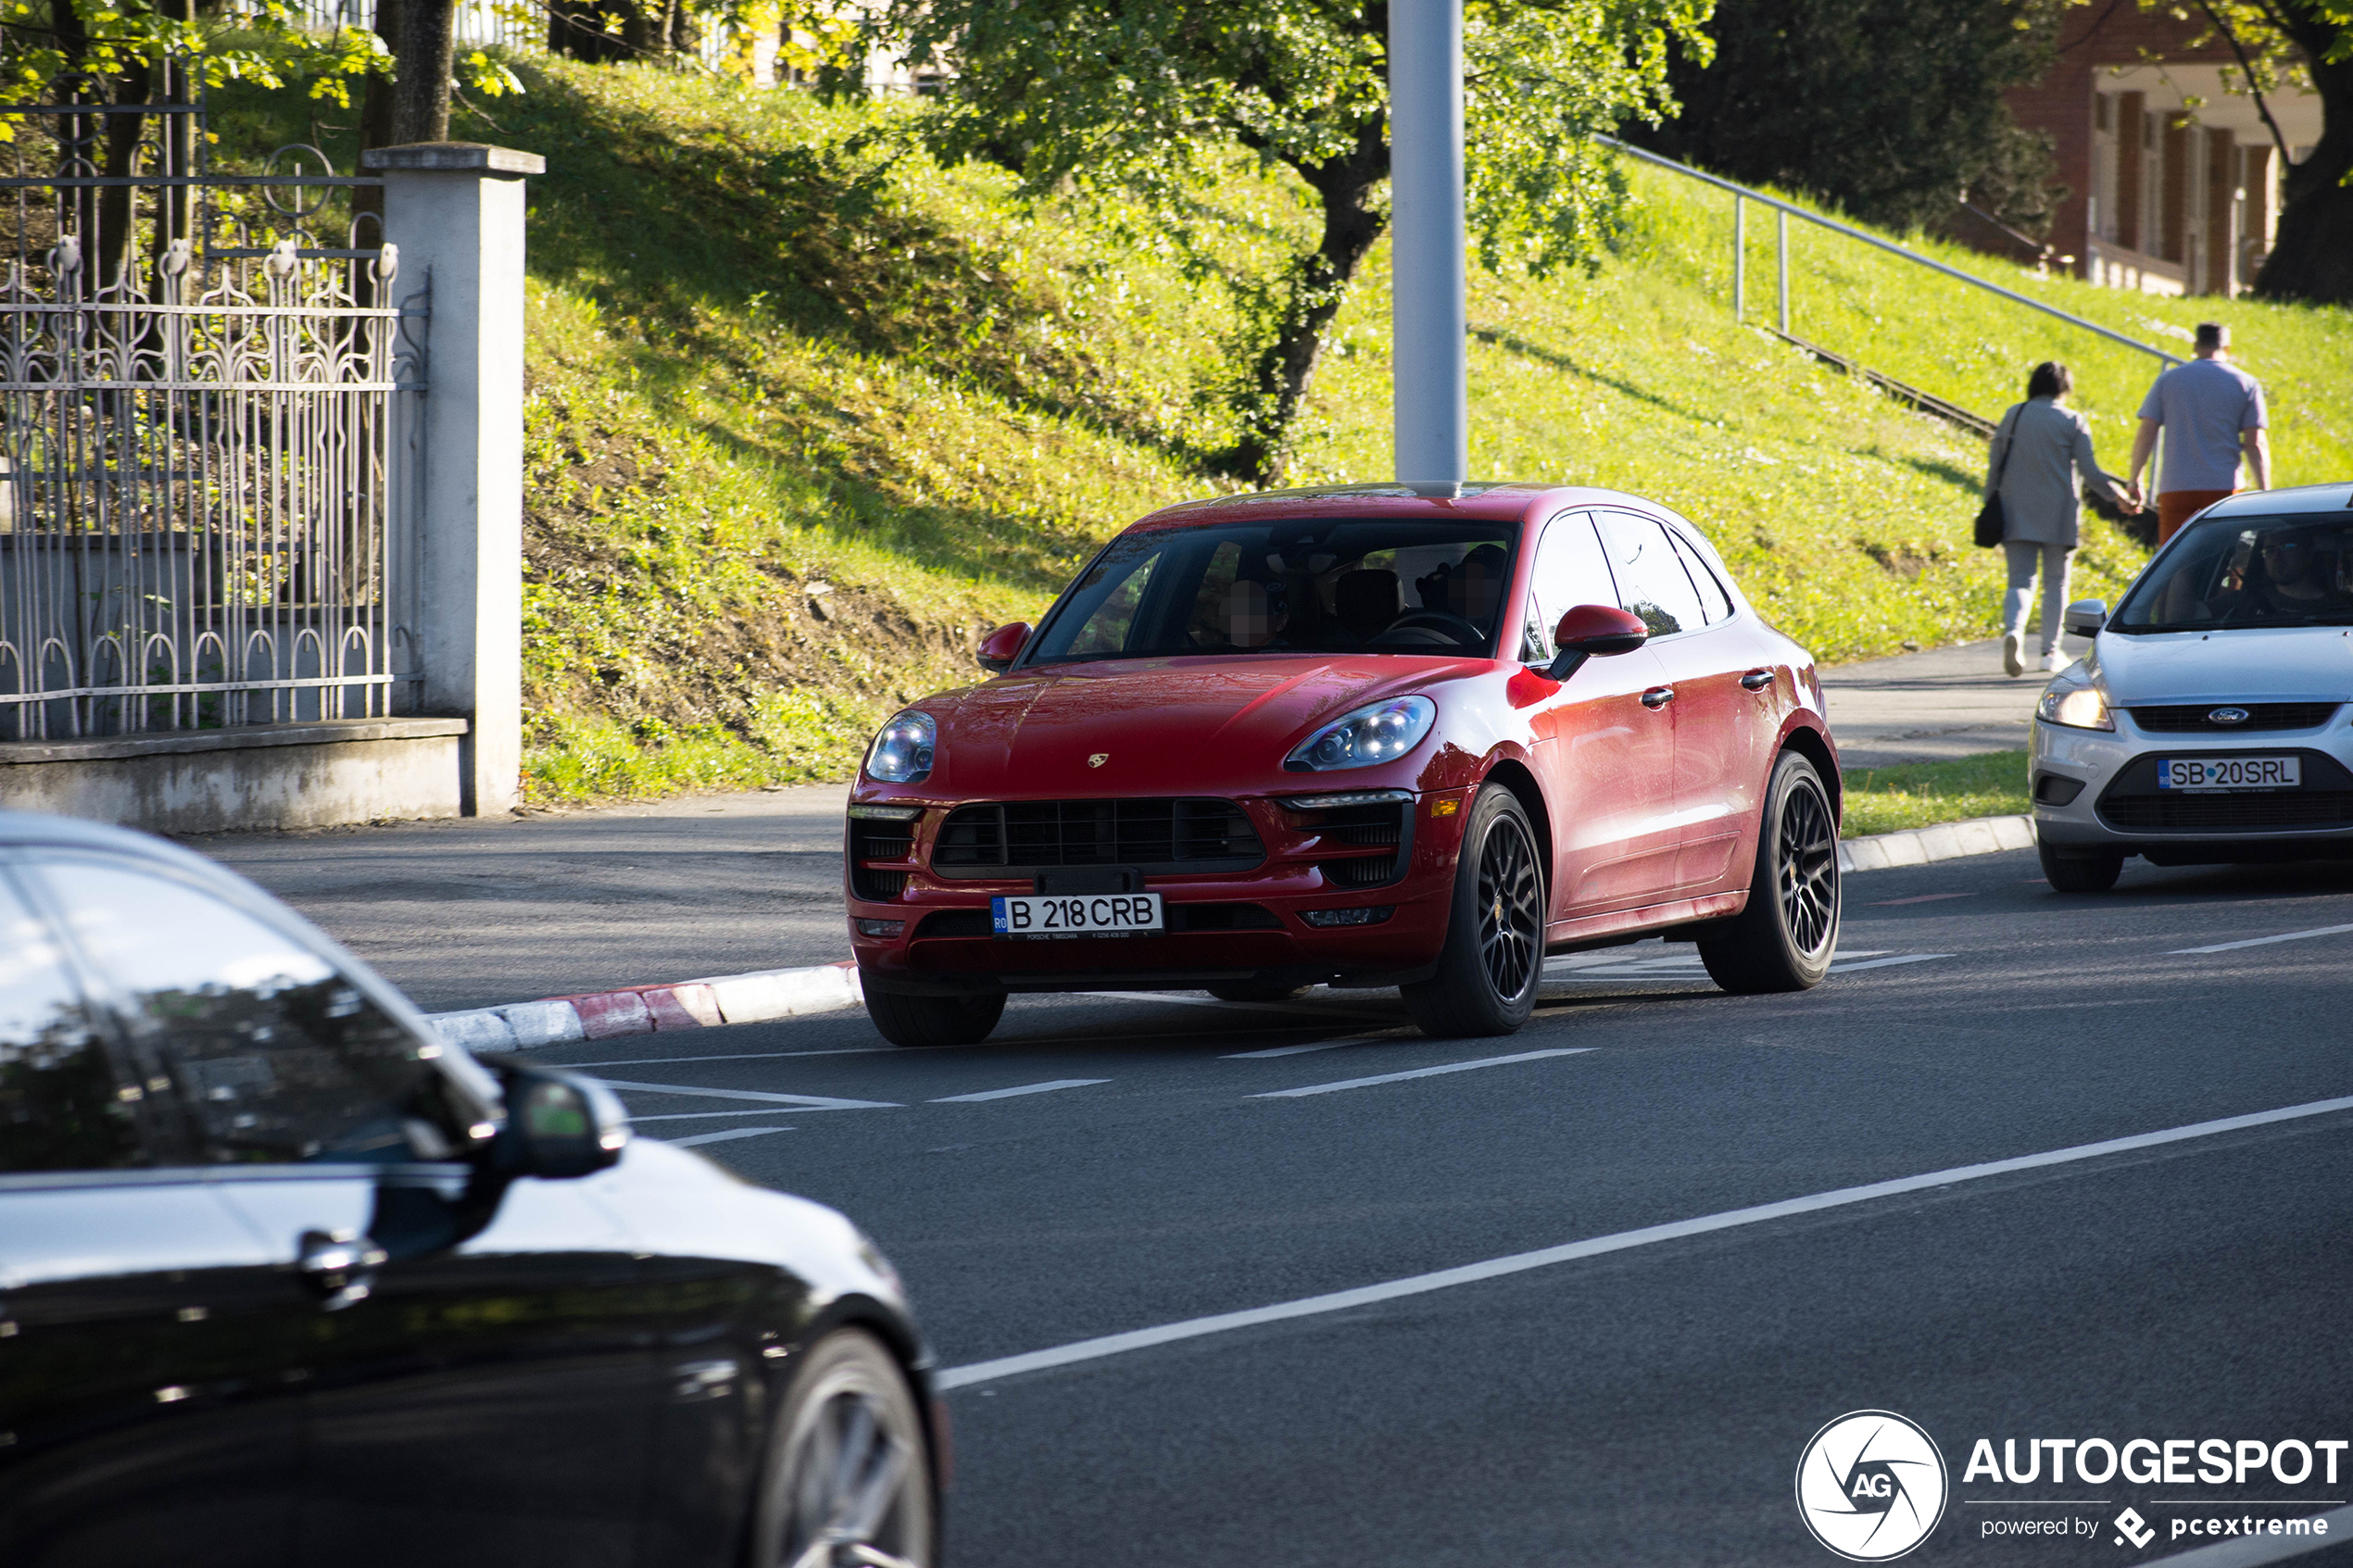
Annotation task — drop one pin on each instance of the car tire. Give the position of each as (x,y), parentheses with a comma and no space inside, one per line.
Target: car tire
(1256,991)
(848,1456)
(1786,936)
(1493,959)
(2080,870)
(933,1021)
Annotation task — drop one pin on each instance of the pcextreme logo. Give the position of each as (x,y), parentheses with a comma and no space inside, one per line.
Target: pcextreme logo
(1871,1486)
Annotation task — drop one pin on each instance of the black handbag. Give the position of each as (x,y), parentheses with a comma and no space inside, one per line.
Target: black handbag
(1992,522)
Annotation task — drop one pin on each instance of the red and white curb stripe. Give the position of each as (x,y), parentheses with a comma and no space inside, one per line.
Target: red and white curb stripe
(643,1010)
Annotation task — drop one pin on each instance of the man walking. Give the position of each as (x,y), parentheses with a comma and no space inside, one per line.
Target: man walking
(2212,413)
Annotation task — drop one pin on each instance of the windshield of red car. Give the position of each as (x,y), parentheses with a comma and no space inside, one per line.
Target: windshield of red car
(1316,585)
(2233,571)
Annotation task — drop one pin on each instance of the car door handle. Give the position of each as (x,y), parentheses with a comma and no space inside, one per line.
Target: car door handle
(339,1265)
(1756,679)
(1659,697)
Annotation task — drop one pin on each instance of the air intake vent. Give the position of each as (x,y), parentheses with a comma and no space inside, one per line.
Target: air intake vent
(873,839)
(1386,825)
(1164,836)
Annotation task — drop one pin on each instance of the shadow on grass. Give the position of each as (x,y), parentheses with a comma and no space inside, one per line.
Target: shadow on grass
(1520,346)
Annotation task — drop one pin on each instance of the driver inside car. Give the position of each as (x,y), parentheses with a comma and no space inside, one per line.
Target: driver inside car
(1255,613)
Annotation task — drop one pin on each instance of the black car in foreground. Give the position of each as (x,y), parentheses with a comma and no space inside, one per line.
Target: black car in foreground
(283,1279)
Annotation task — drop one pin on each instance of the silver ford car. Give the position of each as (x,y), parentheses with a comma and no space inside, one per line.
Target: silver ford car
(2209,721)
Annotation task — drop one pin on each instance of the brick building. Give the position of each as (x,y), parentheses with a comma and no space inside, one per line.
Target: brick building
(2172,182)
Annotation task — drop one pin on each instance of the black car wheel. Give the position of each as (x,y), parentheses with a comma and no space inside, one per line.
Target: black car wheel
(1493,958)
(2080,870)
(933,1021)
(849,1478)
(1784,939)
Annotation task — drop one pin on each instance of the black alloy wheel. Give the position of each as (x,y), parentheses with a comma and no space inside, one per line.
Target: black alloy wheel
(933,1021)
(849,1478)
(1786,936)
(2080,870)
(1493,962)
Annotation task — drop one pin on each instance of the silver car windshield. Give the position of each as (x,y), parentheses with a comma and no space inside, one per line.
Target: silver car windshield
(1311,585)
(2235,571)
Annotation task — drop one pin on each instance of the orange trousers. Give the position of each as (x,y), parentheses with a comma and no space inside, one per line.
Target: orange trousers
(2175,508)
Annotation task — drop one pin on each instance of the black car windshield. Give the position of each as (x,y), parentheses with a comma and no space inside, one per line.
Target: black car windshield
(2235,571)
(1309,584)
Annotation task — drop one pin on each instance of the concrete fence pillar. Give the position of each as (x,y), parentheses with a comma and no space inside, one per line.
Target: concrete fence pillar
(456,211)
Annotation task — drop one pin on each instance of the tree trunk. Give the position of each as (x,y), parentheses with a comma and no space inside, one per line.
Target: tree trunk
(1311,297)
(424,40)
(2313,259)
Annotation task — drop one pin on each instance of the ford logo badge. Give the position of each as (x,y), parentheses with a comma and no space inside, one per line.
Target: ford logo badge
(2227,716)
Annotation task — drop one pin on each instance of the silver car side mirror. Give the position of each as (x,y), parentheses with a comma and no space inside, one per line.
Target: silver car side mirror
(2085,617)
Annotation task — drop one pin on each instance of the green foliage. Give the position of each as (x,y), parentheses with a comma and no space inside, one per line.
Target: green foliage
(264,45)
(1889,109)
(1991,784)
(1144,102)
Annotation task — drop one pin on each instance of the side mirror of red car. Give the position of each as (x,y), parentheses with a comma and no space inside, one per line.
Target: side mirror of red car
(1000,648)
(1594,632)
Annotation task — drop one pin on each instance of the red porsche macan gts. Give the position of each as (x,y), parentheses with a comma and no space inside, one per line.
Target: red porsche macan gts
(1415,736)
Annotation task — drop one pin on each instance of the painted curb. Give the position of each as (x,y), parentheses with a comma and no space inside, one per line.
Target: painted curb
(1946,841)
(646,1009)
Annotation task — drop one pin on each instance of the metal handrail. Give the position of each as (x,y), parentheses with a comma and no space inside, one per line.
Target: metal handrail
(1872,239)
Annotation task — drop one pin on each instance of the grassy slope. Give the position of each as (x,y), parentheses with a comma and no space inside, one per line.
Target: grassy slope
(788,453)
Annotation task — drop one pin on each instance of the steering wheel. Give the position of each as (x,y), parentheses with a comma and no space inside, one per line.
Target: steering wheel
(1453,626)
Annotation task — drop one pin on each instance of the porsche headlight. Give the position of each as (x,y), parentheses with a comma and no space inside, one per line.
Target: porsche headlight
(902,752)
(2078,708)
(1381,732)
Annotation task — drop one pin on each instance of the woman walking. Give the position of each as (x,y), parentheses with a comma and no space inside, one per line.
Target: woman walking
(2039,449)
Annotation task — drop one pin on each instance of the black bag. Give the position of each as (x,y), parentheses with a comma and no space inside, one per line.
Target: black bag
(1992,522)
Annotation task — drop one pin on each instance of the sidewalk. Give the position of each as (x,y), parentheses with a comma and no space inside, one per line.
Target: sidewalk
(1928,706)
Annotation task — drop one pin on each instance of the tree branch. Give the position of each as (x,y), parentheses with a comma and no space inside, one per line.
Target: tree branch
(2247,68)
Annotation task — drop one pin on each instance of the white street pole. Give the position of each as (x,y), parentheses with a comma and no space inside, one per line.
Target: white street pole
(1429,322)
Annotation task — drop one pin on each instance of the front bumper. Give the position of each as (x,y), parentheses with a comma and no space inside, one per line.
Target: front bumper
(1223,925)
(2096,790)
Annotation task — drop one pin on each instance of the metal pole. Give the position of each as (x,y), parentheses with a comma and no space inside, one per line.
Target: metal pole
(1740,252)
(1781,221)
(1429,322)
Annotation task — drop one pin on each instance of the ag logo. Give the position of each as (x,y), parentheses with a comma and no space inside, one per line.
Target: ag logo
(1871,1486)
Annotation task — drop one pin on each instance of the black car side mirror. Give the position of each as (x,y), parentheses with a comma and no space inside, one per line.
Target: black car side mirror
(558,1125)
(1594,632)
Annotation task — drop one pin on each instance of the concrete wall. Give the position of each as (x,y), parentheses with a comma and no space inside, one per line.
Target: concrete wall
(254,776)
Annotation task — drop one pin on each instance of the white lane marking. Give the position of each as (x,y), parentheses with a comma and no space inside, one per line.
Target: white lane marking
(731,1133)
(1521,1263)
(1047,1088)
(1840,968)
(1293,1051)
(1420,1073)
(738,1056)
(700,1115)
(761,1097)
(2264,941)
(2248,1551)
(1214,1002)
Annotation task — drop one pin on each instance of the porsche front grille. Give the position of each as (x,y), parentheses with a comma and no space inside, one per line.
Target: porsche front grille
(1012,837)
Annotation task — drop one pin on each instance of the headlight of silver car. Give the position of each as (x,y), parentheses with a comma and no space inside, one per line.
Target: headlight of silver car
(2078,708)
(1380,733)
(902,752)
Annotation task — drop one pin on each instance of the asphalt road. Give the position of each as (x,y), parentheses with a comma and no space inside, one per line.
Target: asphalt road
(1648,1404)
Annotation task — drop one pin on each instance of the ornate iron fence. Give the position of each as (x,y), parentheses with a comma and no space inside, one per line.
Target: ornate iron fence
(200,376)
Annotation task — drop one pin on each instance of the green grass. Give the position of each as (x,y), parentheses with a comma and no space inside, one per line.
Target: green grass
(1919,794)
(747,384)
